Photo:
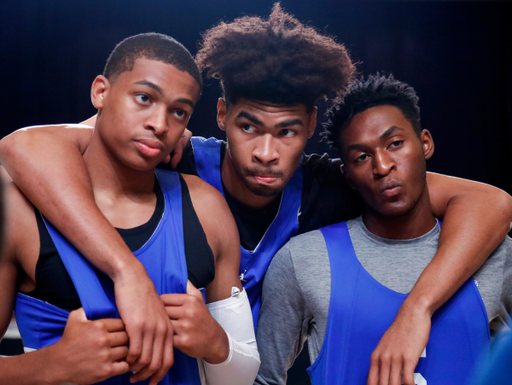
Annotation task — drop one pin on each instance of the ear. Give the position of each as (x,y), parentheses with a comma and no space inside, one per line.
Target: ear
(427,144)
(312,122)
(221,114)
(99,89)
(346,174)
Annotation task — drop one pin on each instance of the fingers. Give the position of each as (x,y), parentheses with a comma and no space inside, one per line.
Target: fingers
(146,353)
(119,354)
(178,150)
(135,348)
(408,372)
(191,289)
(120,367)
(113,325)
(77,315)
(119,339)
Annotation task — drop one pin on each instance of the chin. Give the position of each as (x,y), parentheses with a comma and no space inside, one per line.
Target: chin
(265,191)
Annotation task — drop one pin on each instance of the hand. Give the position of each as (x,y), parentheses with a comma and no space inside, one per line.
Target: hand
(400,348)
(196,333)
(90,351)
(178,150)
(147,325)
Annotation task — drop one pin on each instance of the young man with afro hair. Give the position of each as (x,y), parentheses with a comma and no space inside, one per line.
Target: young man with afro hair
(272,72)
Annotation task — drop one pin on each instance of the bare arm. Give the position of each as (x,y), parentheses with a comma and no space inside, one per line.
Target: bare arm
(45,162)
(222,333)
(476,218)
(88,352)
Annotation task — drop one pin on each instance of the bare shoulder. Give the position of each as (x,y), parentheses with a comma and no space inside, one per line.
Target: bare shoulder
(21,233)
(222,235)
(212,211)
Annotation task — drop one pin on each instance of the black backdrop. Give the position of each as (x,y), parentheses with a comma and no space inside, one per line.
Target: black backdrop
(458,56)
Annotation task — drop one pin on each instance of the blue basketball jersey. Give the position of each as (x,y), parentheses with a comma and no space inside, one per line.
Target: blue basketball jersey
(163,256)
(361,310)
(253,264)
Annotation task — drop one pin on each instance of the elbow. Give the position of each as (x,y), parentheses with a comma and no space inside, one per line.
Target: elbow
(13,145)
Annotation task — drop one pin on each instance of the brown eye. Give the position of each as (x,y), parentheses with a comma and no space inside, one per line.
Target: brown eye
(143,98)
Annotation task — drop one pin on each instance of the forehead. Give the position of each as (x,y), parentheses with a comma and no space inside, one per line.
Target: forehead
(372,123)
(173,82)
(268,113)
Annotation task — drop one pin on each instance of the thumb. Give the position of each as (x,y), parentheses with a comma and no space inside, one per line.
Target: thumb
(77,315)
(191,289)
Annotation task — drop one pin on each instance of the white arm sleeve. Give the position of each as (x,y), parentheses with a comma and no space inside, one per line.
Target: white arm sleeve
(241,366)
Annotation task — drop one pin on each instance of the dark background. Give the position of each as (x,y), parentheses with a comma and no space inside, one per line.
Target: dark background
(457,55)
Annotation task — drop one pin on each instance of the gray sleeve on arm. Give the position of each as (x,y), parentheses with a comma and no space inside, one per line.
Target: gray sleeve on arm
(282,327)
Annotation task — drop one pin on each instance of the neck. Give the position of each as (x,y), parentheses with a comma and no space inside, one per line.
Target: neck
(237,188)
(415,223)
(125,196)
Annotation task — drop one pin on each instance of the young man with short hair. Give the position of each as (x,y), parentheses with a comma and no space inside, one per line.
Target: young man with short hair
(144,100)
(345,301)
(272,73)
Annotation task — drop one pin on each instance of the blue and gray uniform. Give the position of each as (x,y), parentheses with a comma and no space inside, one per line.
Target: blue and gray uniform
(298,291)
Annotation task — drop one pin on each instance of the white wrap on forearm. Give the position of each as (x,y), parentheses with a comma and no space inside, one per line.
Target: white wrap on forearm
(241,366)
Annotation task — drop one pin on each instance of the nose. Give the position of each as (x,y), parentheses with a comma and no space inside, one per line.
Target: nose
(265,151)
(157,121)
(383,163)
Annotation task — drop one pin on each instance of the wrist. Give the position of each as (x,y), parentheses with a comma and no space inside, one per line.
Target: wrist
(126,269)
(418,306)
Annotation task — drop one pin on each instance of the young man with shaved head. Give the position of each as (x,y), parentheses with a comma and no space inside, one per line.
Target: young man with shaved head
(272,72)
(170,222)
(363,268)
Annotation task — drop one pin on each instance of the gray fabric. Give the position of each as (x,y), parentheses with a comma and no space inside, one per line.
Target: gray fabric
(297,287)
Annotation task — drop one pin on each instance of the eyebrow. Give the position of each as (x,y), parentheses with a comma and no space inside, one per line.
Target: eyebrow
(150,85)
(387,133)
(390,131)
(253,119)
(289,123)
(161,92)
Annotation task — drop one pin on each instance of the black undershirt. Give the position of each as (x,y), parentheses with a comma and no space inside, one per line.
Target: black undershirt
(326,198)
(54,285)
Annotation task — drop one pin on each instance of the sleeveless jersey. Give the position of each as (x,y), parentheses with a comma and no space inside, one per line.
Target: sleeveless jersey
(163,256)
(253,264)
(361,310)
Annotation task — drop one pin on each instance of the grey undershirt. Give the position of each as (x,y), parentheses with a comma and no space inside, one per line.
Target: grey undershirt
(297,288)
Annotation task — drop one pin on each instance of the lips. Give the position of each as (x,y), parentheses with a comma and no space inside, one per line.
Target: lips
(265,179)
(149,147)
(390,188)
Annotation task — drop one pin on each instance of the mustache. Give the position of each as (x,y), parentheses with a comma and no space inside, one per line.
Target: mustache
(269,172)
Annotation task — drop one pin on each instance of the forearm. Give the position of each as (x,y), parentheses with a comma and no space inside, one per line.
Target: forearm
(241,366)
(34,368)
(475,221)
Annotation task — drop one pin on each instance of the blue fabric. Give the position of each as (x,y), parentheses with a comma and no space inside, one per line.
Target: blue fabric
(253,264)
(361,310)
(497,368)
(163,256)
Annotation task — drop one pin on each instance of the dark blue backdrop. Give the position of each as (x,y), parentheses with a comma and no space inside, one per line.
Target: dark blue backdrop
(457,55)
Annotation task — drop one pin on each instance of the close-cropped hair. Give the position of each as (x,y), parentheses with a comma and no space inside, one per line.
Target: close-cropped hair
(362,94)
(277,60)
(152,46)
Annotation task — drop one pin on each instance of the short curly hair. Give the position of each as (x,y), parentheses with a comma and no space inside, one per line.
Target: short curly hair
(278,60)
(153,46)
(363,94)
